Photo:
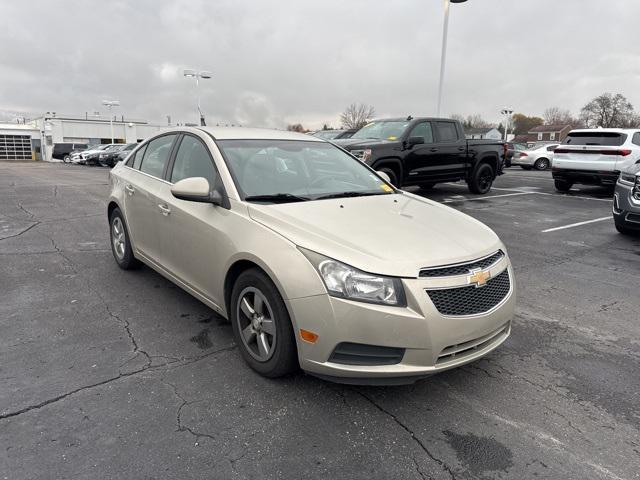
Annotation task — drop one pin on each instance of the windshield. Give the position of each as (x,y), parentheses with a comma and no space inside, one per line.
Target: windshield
(327,134)
(383,130)
(308,170)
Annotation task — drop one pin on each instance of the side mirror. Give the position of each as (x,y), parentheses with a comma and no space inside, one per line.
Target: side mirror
(384,176)
(193,189)
(413,141)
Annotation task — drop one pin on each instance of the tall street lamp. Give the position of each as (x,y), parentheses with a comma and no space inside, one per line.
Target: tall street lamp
(507,112)
(444,47)
(189,73)
(110,104)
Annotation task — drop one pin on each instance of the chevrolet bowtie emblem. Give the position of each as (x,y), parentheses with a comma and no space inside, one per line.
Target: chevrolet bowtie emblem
(480,278)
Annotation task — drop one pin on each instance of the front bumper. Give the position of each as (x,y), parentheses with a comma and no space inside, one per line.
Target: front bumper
(432,342)
(585,177)
(626,208)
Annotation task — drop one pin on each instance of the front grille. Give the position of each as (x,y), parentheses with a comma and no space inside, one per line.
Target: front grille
(471,300)
(463,268)
(633,217)
(461,350)
(360,354)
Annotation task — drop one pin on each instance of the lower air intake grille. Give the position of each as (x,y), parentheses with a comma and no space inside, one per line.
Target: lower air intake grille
(462,350)
(471,300)
(360,354)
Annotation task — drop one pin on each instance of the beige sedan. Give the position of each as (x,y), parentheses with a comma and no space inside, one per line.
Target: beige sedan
(317,261)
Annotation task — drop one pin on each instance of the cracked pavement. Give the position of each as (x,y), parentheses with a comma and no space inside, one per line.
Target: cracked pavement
(113,374)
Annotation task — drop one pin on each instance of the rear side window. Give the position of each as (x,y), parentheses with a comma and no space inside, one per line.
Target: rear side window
(446,131)
(423,130)
(135,160)
(636,138)
(193,160)
(156,155)
(605,139)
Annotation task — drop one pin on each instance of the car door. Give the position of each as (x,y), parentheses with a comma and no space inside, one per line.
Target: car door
(143,185)
(450,149)
(420,160)
(193,233)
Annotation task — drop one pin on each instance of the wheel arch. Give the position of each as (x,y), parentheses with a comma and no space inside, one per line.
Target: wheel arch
(392,162)
(489,159)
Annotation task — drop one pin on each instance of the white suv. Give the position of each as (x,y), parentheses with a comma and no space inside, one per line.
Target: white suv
(595,156)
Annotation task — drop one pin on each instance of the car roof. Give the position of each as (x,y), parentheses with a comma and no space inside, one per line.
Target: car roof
(600,130)
(245,133)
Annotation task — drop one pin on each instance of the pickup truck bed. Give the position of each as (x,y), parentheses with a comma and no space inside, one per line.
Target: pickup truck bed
(426,151)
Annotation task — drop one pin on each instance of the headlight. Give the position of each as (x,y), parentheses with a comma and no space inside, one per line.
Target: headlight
(362,155)
(347,282)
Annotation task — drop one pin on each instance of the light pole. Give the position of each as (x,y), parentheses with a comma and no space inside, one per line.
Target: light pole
(507,112)
(189,73)
(444,48)
(111,104)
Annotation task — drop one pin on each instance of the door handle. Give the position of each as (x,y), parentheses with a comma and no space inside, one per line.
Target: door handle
(130,190)
(164,209)
(433,149)
(461,149)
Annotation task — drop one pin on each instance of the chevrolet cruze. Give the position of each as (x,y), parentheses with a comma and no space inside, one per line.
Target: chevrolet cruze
(317,261)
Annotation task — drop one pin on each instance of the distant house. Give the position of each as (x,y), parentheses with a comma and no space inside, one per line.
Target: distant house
(488,133)
(550,133)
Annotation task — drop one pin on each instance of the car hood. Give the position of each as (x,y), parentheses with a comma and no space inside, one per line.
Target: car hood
(394,235)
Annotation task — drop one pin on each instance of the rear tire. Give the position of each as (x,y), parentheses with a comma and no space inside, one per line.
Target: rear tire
(66,159)
(121,243)
(481,179)
(562,185)
(278,354)
(542,164)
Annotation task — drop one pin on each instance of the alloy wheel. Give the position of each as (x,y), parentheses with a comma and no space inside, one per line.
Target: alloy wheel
(118,237)
(256,324)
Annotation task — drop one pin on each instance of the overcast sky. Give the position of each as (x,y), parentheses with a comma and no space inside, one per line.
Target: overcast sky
(277,61)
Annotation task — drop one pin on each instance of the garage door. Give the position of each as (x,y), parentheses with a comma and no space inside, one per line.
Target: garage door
(15,147)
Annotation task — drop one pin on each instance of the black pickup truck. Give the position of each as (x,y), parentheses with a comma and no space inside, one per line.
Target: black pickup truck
(426,151)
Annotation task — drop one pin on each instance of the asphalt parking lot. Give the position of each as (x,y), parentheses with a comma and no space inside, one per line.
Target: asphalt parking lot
(113,374)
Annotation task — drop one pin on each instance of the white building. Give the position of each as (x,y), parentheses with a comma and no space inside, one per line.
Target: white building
(35,139)
(482,133)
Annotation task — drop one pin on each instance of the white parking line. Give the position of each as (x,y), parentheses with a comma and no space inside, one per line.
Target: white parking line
(576,224)
(464,199)
(575,196)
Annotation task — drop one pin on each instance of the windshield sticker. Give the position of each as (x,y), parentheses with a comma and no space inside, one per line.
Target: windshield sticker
(392,137)
(386,187)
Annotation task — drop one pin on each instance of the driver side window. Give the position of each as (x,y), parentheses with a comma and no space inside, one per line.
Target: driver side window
(423,130)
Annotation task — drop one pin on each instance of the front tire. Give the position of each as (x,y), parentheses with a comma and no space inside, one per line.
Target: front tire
(121,243)
(562,185)
(482,179)
(623,229)
(393,178)
(542,164)
(66,159)
(261,325)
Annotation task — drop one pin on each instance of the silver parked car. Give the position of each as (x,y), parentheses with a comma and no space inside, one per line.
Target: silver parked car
(317,260)
(626,201)
(539,158)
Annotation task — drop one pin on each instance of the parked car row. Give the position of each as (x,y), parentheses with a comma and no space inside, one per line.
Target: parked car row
(106,155)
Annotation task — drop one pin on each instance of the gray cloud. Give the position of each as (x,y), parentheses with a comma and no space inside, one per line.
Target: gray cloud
(283,61)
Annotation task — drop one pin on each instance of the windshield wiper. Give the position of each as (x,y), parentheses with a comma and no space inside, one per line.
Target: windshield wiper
(350,194)
(276,198)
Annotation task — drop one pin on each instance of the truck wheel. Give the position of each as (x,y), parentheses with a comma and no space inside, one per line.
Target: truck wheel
(427,186)
(481,179)
(541,164)
(392,175)
(563,185)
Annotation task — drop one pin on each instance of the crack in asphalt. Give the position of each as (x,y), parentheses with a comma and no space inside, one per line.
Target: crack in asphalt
(180,427)
(168,365)
(406,428)
(420,472)
(21,232)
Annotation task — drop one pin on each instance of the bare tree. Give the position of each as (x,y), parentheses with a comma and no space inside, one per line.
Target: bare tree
(297,127)
(471,121)
(356,115)
(608,110)
(560,116)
